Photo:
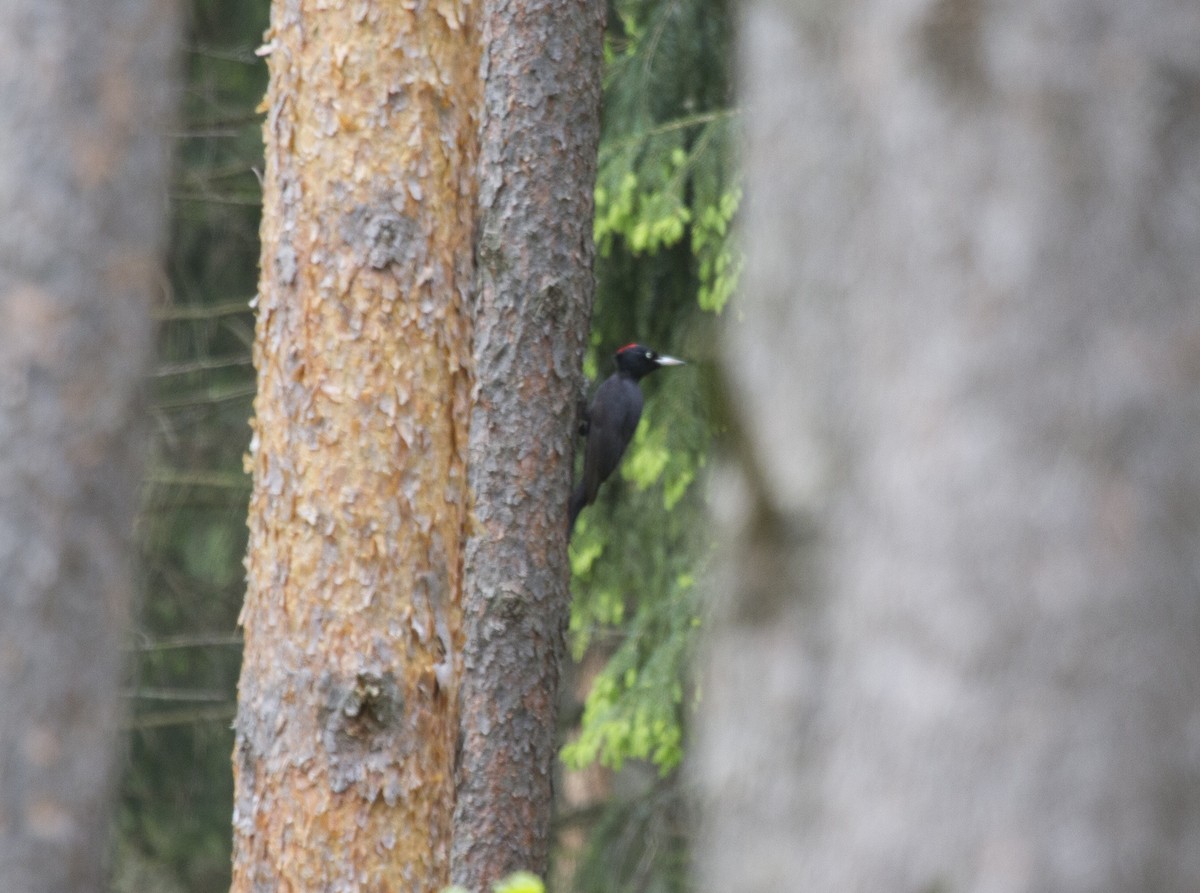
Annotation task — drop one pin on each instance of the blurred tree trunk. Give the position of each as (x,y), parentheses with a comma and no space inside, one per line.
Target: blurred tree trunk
(87,101)
(961,644)
(533,303)
(378,434)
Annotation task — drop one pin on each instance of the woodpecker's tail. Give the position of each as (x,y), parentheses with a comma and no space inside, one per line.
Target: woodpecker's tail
(578,501)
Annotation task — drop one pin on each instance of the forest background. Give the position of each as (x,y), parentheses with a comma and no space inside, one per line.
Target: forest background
(955,639)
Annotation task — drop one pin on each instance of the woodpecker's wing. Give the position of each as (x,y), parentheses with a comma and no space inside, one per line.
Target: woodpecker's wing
(604,450)
(614,413)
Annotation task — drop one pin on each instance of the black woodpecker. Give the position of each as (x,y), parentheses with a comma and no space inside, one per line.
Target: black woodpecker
(612,418)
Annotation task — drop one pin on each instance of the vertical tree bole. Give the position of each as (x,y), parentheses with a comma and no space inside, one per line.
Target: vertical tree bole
(88,101)
(534,287)
(347,716)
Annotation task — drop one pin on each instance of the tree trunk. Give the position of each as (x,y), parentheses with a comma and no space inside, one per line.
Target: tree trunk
(540,133)
(347,716)
(961,647)
(87,102)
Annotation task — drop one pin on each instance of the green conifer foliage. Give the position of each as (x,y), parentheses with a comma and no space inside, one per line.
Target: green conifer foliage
(667,192)
(666,195)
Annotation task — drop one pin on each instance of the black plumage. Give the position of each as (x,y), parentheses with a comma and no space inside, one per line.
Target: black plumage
(612,418)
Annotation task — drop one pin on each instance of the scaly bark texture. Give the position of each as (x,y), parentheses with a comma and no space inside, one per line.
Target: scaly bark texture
(540,133)
(86,101)
(961,648)
(347,715)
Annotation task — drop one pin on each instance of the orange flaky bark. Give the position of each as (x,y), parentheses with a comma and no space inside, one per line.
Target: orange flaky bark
(348,696)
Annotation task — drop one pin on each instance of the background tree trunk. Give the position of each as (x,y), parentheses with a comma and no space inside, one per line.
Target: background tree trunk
(534,286)
(961,647)
(87,100)
(347,716)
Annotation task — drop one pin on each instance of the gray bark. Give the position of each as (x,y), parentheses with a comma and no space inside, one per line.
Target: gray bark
(534,286)
(84,103)
(960,643)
